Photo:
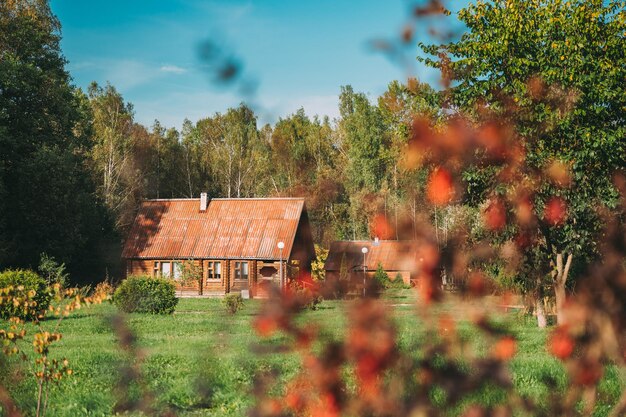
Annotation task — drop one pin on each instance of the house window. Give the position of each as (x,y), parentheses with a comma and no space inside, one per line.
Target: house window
(156,271)
(166,269)
(214,271)
(169,269)
(178,270)
(241,271)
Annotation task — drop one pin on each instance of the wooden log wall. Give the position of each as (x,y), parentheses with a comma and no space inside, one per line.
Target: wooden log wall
(210,287)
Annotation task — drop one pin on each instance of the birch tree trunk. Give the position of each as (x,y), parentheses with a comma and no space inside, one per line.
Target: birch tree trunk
(542,322)
(559,279)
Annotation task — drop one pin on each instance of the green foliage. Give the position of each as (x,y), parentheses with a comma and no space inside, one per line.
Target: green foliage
(503,279)
(364,130)
(47,199)
(381,277)
(52,271)
(317,266)
(555,71)
(24,282)
(233,302)
(191,272)
(145,294)
(383,280)
(231,151)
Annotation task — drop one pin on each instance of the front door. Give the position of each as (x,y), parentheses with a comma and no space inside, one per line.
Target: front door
(240,276)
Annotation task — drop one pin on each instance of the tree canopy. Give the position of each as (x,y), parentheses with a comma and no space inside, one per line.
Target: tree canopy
(555,72)
(47,201)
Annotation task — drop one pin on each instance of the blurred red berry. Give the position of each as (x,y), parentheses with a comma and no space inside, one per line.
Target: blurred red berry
(560,344)
(505,348)
(495,215)
(447,324)
(381,227)
(524,211)
(555,211)
(265,326)
(522,240)
(477,284)
(439,189)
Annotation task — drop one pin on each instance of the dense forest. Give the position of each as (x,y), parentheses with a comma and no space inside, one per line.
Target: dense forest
(76,164)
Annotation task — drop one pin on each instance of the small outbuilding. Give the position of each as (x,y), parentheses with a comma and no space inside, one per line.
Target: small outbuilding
(397,258)
(221,245)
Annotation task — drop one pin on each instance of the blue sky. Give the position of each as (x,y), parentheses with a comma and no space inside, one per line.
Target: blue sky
(297,52)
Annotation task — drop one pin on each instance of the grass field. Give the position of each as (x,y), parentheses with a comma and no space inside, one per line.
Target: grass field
(201,346)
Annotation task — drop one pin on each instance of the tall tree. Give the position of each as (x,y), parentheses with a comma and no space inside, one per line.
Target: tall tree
(232,149)
(47,202)
(555,70)
(400,104)
(364,137)
(113,153)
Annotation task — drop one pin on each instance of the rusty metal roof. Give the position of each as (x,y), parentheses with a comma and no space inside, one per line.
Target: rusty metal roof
(228,229)
(393,255)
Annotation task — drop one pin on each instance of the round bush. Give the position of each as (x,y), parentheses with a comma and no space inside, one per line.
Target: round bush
(26,285)
(145,294)
(233,302)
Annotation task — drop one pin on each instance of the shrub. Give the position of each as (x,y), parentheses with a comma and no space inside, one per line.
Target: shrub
(381,278)
(104,290)
(383,281)
(23,285)
(53,271)
(145,294)
(398,282)
(233,303)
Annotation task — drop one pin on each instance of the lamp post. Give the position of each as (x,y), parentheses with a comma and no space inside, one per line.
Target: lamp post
(281,246)
(364,250)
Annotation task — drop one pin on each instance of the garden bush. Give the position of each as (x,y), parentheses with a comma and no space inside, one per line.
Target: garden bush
(145,294)
(233,303)
(26,285)
(381,278)
(384,282)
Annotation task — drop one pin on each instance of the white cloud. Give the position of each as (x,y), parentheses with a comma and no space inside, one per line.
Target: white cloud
(125,74)
(174,69)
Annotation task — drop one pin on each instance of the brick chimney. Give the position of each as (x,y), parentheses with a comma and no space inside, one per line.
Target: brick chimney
(204,201)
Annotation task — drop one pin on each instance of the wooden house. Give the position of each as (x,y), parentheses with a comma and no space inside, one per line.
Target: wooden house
(222,245)
(397,258)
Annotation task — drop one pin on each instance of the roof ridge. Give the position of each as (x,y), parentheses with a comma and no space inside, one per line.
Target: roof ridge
(225,199)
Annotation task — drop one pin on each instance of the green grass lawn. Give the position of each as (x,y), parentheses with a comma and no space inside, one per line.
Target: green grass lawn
(199,360)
